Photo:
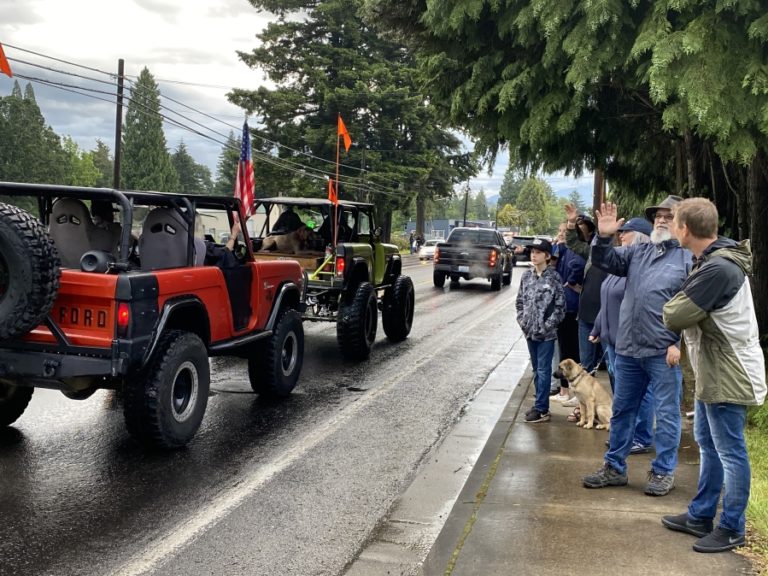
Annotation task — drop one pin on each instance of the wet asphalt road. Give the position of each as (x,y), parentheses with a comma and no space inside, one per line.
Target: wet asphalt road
(292,487)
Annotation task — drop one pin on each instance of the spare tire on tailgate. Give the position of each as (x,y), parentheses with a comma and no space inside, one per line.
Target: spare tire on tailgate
(29,272)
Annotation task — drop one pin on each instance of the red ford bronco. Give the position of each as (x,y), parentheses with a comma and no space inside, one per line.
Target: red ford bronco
(138,303)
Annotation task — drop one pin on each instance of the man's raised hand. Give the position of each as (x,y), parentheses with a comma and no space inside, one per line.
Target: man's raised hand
(607,224)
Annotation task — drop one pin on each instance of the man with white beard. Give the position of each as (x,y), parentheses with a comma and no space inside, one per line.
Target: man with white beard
(647,352)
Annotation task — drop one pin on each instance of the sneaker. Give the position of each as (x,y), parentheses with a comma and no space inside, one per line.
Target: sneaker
(606,476)
(683,523)
(638,448)
(536,416)
(560,398)
(659,484)
(571,402)
(719,540)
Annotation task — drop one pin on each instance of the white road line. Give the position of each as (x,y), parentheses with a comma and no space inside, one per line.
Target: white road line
(184,533)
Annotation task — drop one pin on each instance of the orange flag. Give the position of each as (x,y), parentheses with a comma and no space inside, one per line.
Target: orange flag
(342,131)
(5,68)
(332,193)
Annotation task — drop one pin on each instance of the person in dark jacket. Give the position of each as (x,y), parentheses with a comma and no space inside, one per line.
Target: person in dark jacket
(647,352)
(580,230)
(716,313)
(540,307)
(634,231)
(570,266)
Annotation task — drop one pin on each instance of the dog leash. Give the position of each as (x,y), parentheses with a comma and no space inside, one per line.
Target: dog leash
(594,370)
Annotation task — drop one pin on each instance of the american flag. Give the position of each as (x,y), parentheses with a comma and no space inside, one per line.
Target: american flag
(245,180)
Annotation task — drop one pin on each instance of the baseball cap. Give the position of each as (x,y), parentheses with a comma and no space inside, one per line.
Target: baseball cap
(637,225)
(541,244)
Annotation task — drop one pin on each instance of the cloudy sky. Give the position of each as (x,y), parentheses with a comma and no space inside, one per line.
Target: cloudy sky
(189,47)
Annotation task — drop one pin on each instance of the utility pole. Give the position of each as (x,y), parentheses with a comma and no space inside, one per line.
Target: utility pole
(466,202)
(118,123)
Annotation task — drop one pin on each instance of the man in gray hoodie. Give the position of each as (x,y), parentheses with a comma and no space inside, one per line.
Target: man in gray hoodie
(715,312)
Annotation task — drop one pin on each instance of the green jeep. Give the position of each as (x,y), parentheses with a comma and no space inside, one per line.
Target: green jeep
(351,273)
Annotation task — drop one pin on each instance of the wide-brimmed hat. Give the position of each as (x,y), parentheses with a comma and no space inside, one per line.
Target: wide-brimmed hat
(542,244)
(637,225)
(668,203)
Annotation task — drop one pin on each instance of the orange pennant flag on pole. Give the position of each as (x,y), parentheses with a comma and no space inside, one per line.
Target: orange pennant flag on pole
(332,193)
(5,68)
(342,131)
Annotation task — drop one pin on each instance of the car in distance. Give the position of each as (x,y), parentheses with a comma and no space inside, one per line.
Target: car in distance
(427,251)
(473,253)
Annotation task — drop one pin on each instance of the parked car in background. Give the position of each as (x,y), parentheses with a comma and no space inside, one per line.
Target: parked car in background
(525,242)
(427,251)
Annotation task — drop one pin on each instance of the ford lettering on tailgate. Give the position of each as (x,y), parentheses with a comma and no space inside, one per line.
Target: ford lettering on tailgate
(81,316)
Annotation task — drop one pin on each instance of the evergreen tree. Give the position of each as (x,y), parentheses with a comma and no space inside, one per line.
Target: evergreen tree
(104,164)
(146,163)
(186,170)
(30,151)
(325,60)
(226,169)
(510,187)
(82,171)
(575,198)
(532,203)
(480,207)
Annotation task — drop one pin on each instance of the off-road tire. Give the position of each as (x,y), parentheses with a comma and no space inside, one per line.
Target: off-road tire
(13,401)
(165,402)
(397,313)
(357,323)
(496,282)
(275,365)
(29,272)
(438,279)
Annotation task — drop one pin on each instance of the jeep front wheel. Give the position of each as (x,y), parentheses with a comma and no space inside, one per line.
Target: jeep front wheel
(29,272)
(357,323)
(397,315)
(13,401)
(275,365)
(165,403)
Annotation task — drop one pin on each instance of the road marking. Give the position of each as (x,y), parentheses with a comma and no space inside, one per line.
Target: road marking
(186,531)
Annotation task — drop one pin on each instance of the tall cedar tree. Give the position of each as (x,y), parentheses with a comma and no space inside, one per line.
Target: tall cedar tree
(146,163)
(325,60)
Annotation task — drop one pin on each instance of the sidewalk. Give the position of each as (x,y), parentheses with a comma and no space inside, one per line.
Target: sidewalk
(524,511)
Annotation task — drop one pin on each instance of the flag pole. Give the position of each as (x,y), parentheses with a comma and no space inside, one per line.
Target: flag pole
(336,204)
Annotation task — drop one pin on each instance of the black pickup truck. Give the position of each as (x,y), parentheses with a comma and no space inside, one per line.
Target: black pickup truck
(473,253)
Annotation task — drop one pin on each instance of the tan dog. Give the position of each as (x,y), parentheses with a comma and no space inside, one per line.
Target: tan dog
(292,243)
(594,398)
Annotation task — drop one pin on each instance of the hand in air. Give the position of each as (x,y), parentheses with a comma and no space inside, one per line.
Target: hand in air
(607,224)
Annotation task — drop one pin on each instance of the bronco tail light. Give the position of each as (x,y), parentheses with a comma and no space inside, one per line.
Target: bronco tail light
(340,265)
(123,318)
(492,258)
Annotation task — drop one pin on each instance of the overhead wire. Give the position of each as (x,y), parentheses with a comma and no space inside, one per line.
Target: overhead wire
(357,182)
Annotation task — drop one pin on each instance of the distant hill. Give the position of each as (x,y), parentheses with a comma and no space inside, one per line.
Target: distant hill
(563,188)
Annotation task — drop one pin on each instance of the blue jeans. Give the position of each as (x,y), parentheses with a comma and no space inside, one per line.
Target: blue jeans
(541,362)
(633,377)
(719,431)
(644,424)
(589,354)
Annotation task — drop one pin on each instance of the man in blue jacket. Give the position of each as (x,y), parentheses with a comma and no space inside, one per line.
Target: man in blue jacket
(647,352)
